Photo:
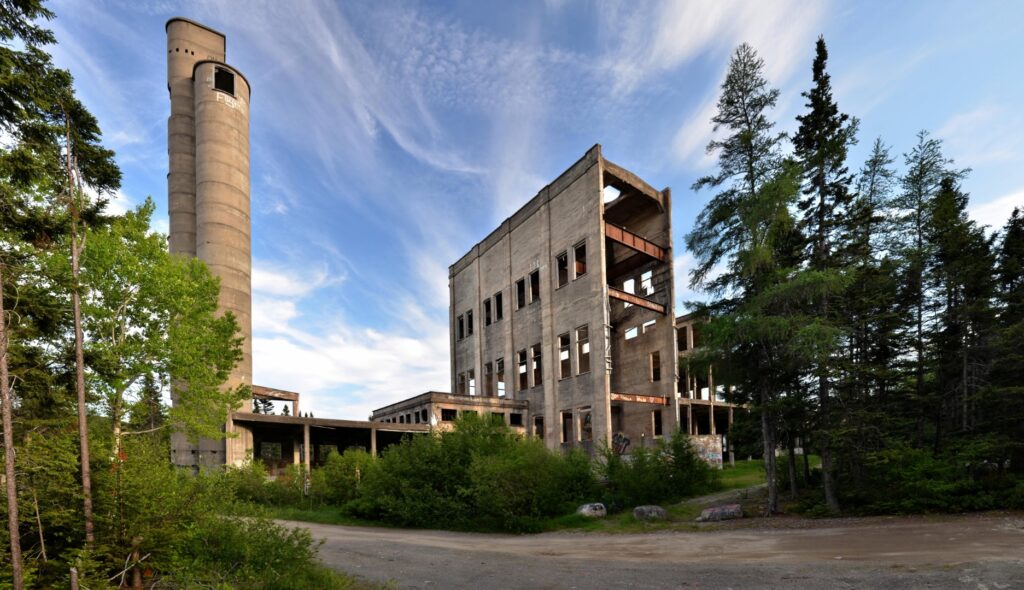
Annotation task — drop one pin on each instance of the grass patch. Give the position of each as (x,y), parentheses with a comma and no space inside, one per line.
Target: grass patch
(744,475)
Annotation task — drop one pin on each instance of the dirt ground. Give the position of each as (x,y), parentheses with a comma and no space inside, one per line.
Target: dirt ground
(980,552)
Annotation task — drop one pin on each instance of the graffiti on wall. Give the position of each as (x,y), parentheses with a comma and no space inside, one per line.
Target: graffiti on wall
(620,442)
(709,447)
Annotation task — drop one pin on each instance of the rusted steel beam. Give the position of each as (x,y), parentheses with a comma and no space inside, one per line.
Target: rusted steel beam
(639,399)
(635,242)
(635,300)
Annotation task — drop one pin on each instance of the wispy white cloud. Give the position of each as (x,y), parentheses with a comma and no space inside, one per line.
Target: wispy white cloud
(656,39)
(987,134)
(996,212)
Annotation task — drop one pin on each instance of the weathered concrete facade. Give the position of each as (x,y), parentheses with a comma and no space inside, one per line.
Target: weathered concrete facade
(440,410)
(208,195)
(542,307)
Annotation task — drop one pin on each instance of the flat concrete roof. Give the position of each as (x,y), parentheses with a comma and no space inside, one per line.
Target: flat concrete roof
(326,422)
(454,398)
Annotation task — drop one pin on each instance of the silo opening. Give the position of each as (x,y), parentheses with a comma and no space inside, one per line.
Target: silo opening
(224,81)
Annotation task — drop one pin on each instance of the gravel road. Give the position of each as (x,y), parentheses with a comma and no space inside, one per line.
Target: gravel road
(976,552)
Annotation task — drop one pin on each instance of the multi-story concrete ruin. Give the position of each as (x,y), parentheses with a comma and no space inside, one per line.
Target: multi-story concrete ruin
(567,305)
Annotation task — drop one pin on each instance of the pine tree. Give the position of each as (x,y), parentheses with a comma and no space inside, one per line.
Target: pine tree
(926,169)
(821,145)
(746,224)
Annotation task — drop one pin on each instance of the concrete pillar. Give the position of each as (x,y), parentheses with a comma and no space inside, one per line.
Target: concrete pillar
(307,450)
(732,453)
(373,441)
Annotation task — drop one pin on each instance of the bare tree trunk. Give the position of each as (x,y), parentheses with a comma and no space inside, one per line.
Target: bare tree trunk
(39,525)
(76,304)
(768,434)
(17,581)
(793,489)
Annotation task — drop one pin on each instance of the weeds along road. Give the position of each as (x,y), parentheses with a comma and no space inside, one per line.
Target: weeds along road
(976,552)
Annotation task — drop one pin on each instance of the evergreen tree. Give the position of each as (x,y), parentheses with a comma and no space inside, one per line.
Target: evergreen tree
(821,145)
(926,169)
(744,225)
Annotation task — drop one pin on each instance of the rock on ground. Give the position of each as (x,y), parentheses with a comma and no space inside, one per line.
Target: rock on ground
(595,510)
(650,513)
(724,512)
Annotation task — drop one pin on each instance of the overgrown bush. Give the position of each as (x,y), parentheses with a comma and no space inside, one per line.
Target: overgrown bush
(480,475)
(668,472)
(340,479)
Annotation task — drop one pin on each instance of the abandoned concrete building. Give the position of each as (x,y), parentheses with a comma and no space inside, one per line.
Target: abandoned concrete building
(566,308)
(562,320)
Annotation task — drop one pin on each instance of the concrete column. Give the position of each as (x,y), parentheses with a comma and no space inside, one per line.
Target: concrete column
(689,419)
(307,451)
(373,441)
(732,453)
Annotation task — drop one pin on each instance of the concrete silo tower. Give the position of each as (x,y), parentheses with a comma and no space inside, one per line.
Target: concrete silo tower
(208,193)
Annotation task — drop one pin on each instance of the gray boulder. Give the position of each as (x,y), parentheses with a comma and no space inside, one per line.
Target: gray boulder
(595,510)
(650,513)
(724,512)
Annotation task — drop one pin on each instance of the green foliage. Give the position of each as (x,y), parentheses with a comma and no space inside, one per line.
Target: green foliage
(340,479)
(667,472)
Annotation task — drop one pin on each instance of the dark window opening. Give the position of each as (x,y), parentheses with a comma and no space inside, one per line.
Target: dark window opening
(461,331)
(448,415)
(562,262)
(580,255)
(521,368)
(488,379)
(538,427)
(655,366)
(498,417)
(567,427)
(681,338)
(535,286)
(499,312)
(224,80)
(538,374)
(469,323)
(460,384)
(515,419)
(424,416)
(499,376)
(520,293)
(656,415)
(487,312)
(564,362)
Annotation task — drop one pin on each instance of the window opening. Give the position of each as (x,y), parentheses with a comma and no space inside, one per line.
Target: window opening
(580,257)
(488,380)
(586,426)
(461,328)
(224,80)
(649,326)
(499,312)
(520,293)
(499,376)
(538,374)
(562,263)
(656,366)
(631,333)
(515,419)
(472,383)
(564,362)
(535,286)
(567,427)
(521,366)
(656,418)
(487,312)
(460,384)
(448,415)
(538,427)
(647,283)
(582,350)
(681,338)
(469,323)
(629,286)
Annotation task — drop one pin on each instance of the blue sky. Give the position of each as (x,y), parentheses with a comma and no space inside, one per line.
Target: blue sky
(389,137)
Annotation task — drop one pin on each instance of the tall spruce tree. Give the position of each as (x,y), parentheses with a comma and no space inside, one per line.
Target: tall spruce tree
(1002,403)
(926,167)
(742,226)
(821,145)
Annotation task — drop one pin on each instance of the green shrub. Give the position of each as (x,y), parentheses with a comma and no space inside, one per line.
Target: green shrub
(665,473)
(340,479)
